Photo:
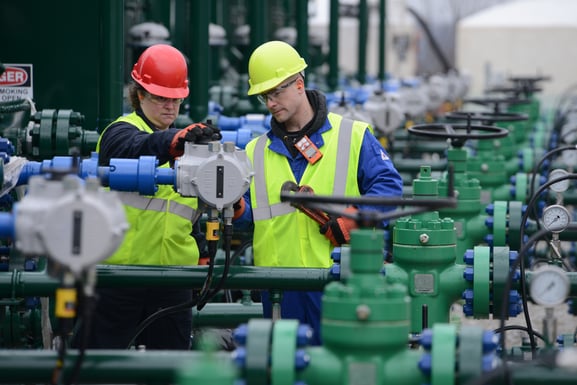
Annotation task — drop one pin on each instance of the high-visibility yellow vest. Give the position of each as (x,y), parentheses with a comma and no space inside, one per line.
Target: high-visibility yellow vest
(160,224)
(284,236)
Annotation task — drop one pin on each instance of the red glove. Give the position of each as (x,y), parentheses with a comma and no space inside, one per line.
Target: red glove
(338,230)
(200,133)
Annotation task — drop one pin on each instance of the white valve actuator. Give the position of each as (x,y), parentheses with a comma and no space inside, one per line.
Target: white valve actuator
(75,222)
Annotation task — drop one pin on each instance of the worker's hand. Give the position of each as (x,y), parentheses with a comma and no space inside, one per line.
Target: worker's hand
(239,208)
(200,133)
(338,230)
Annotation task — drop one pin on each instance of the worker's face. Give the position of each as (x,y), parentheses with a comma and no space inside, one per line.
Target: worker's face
(282,100)
(161,111)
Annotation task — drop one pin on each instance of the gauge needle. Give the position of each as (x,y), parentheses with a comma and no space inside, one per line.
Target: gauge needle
(549,287)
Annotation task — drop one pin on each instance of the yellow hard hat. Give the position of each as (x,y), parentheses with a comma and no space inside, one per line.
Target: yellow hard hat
(272,63)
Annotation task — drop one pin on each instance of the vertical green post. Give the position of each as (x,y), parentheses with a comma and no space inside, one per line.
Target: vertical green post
(199,54)
(111,76)
(259,32)
(302,25)
(333,78)
(382,40)
(258,20)
(363,35)
(179,30)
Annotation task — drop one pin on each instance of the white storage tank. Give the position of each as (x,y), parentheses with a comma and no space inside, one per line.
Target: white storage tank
(520,38)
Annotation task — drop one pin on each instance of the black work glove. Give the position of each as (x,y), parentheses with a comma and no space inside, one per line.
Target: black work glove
(338,230)
(199,133)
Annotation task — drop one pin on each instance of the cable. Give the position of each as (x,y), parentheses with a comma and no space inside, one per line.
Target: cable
(519,327)
(520,261)
(227,261)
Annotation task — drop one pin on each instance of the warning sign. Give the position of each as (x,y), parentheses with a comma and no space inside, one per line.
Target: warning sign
(16,82)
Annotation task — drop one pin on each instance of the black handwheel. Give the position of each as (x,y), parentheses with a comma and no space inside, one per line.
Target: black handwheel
(460,132)
(486,117)
(497,102)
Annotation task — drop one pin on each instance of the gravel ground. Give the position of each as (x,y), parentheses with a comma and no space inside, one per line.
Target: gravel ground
(566,323)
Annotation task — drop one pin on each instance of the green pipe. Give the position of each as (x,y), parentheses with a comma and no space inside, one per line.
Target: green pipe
(198,52)
(302,22)
(225,315)
(100,366)
(111,77)
(22,284)
(333,77)
(179,34)
(363,34)
(383,40)
(159,11)
(259,26)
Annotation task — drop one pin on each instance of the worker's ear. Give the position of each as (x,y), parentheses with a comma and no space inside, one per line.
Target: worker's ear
(140,95)
(300,84)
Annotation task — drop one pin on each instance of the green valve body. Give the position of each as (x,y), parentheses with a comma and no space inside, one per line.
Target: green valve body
(365,325)
(469,216)
(424,247)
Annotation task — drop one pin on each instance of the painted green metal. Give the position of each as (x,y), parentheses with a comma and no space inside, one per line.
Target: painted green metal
(333,59)
(382,40)
(500,223)
(443,353)
(424,248)
(470,353)
(225,315)
(500,269)
(111,64)
(208,368)
(198,53)
(282,367)
(65,49)
(39,283)
(481,282)
(55,133)
(362,41)
(469,215)
(258,351)
(302,26)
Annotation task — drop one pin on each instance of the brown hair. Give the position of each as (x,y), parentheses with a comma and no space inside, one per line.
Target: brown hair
(133,90)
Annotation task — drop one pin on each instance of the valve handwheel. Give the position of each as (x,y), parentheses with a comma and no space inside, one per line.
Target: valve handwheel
(458,133)
(486,117)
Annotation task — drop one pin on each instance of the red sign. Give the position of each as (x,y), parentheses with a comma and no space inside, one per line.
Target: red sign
(13,77)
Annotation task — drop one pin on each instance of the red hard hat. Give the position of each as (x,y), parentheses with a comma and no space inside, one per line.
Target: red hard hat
(161,70)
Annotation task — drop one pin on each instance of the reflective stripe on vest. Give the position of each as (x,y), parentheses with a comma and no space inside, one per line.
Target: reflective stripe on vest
(143,202)
(263,209)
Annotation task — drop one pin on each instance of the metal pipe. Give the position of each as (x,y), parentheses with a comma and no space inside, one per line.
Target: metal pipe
(198,54)
(383,40)
(111,65)
(99,366)
(333,77)
(23,284)
(225,315)
(302,22)
(363,35)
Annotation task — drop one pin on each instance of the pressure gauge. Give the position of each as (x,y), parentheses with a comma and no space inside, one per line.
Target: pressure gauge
(556,218)
(549,286)
(569,157)
(560,186)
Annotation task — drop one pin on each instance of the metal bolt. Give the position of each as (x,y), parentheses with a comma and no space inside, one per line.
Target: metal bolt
(363,312)
(424,238)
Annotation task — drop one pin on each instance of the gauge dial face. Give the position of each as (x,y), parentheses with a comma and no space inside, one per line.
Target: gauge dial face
(569,157)
(549,286)
(556,218)
(560,186)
